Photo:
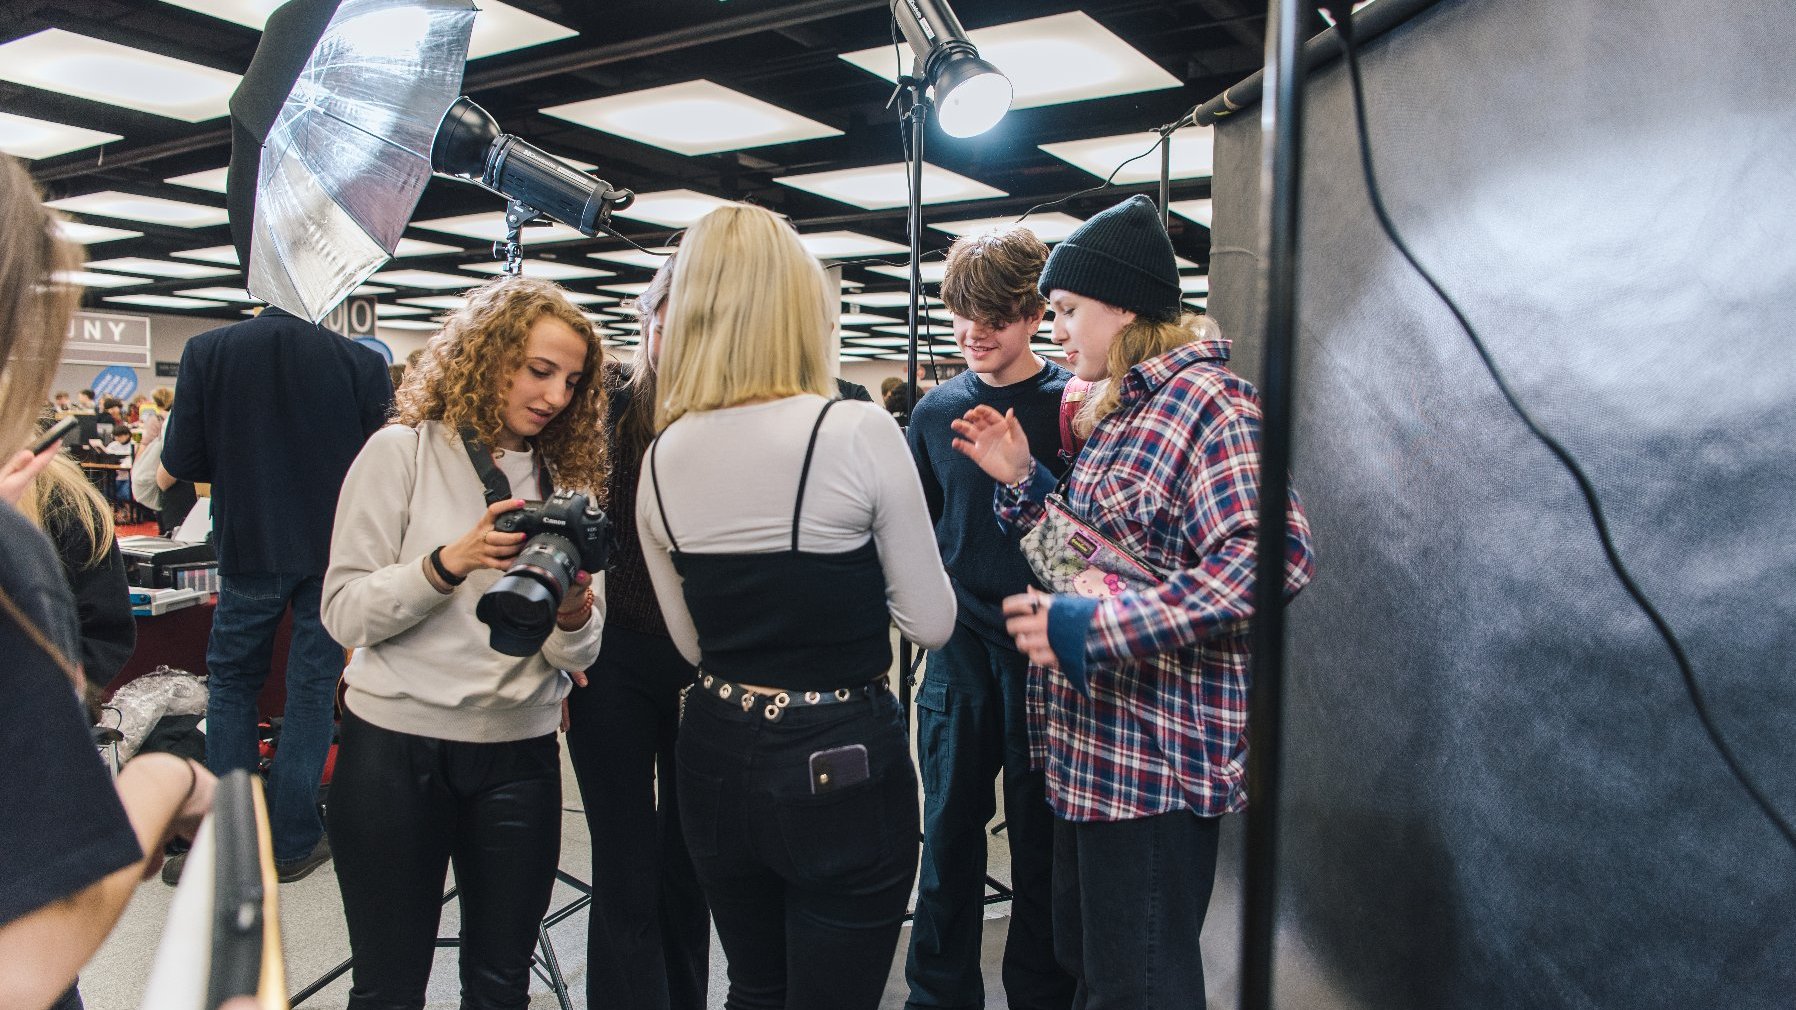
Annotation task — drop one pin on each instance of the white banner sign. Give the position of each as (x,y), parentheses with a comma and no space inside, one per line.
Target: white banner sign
(107,338)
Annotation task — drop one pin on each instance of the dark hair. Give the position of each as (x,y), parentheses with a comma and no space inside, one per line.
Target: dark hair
(991,277)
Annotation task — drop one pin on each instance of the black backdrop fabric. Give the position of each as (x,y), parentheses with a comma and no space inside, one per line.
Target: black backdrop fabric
(1497,793)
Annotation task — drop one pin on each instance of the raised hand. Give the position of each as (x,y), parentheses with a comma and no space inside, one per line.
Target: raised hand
(996,442)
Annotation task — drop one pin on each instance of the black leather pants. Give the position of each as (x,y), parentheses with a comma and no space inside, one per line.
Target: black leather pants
(402,808)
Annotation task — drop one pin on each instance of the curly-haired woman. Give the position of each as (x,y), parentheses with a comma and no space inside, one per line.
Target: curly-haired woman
(448,746)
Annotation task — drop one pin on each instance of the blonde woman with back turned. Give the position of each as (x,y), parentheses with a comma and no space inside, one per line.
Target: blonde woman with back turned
(782,530)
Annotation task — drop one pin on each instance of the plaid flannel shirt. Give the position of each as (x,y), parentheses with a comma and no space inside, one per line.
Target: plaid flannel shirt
(1152,717)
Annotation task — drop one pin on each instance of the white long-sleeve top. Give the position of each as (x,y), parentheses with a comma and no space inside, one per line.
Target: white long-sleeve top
(423,664)
(730,478)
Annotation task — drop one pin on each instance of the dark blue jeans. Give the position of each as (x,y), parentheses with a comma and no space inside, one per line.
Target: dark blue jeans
(1129,904)
(970,727)
(807,890)
(237,661)
(648,937)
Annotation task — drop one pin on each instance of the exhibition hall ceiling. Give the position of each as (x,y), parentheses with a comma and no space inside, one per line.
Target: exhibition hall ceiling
(119,108)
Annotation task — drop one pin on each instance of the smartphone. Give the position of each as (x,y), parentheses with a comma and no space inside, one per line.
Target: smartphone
(54,435)
(838,768)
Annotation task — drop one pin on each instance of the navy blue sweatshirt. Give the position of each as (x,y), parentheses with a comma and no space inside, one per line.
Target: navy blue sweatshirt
(983,560)
(273,411)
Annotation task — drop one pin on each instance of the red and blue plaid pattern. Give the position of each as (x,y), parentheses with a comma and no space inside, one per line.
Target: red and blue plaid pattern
(1173,476)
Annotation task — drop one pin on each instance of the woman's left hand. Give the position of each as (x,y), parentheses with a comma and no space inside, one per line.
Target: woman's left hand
(1027,622)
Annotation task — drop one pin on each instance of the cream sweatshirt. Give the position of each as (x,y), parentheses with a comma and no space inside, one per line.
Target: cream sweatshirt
(422,664)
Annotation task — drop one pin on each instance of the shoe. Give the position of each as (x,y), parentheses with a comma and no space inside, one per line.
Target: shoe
(171,868)
(289,870)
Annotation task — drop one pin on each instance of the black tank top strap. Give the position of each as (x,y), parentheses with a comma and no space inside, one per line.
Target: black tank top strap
(805,473)
(660,503)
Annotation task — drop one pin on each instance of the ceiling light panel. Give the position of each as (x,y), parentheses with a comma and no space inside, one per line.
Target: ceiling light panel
(673,208)
(429,279)
(407,324)
(490,227)
(1192,210)
(582,298)
(882,187)
(697,117)
(154,210)
(933,273)
(498,28)
(95,279)
(1195,285)
(71,64)
(212,180)
(211,254)
(632,289)
(650,260)
(419,247)
(398,311)
(547,270)
(1049,228)
(450,302)
(862,319)
(164,302)
(1051,60)
(158,268)
(887,299)
(24,137)
(93,234)
(837,245)
(1193,152)
(222,294)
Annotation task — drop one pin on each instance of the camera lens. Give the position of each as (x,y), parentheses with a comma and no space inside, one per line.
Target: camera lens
(520,608)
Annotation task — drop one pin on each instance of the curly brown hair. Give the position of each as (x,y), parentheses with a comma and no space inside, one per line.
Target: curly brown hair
(991,277)
(465,372)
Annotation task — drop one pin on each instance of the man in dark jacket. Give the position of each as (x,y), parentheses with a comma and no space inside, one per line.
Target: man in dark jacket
(273,502)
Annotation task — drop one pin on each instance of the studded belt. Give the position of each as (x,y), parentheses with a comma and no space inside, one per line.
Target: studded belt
(773,705)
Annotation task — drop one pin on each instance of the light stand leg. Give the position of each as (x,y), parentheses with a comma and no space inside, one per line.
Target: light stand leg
(1281,123)
(918,115)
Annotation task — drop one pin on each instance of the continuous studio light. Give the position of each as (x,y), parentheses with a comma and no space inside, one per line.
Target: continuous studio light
(1192,210)
(651,260)
(165,302)
(154,210)
(490,227)
(1050,228)
(697,117)
(429,279)
(971,95)
(211,254)
(837,245)
(882,187)
(24,137)
(500,28)
(1051,60)
(94,279)
(547,270)
(93,234)
(212,180)
(419,247)
(71,64)
(222,294)
(673,208)
(158,268)
(1193,150)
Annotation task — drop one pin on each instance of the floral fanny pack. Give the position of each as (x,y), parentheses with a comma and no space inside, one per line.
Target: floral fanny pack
(1068,556)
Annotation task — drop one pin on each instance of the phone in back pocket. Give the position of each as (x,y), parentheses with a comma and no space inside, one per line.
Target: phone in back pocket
(838,768)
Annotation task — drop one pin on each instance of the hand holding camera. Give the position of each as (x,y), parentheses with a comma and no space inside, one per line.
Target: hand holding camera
(567,539)
(484,546)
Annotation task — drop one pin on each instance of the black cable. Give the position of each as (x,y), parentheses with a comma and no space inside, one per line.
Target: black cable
(1585,488)
(1100,187)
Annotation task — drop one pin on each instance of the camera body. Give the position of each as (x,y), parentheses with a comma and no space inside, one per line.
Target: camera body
(565,534)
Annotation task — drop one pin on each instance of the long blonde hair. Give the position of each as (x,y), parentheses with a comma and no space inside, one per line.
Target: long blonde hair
(1137,342)
(62,498)
(35,305)
(462,378)
(748,317)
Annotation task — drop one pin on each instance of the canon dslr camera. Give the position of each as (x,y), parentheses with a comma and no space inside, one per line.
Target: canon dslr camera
(566,534)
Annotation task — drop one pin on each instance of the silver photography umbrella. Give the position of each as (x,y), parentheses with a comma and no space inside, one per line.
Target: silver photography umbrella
(334,122)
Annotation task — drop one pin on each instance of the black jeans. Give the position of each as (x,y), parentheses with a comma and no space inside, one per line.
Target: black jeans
(971,727)
(402,808)
(807,891)
(1129,905)
(649,934)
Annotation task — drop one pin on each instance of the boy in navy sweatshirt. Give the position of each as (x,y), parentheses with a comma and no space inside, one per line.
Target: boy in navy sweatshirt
(970,719)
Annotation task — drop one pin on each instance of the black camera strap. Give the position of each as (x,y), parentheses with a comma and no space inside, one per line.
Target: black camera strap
(497,488)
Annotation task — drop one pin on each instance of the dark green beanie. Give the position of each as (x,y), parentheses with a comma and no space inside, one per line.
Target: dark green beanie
(1122,256)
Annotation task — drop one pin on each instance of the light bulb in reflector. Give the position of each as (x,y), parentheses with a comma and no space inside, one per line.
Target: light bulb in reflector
(972,104)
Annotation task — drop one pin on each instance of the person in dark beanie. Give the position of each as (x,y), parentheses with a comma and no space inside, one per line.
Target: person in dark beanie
(1138,698)
(970,719)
